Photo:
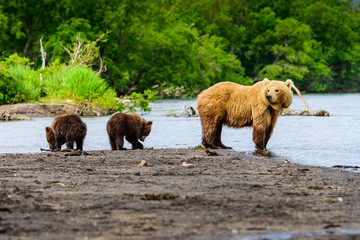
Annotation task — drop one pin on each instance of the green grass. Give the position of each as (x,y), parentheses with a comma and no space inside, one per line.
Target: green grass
(28,81)
(79,84)
(82,85)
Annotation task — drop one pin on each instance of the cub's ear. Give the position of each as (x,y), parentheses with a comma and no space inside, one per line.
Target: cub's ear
(266,81)
(149,123)
(48,129)
(289,83)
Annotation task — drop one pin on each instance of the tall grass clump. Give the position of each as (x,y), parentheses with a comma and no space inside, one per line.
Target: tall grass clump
(28,82)
(79,84)
(8,87)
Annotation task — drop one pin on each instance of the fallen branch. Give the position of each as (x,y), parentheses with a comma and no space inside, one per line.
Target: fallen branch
(45,150)
(302,98)
(309,111)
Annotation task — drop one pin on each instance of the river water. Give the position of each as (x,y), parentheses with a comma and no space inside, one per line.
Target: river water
(319,141)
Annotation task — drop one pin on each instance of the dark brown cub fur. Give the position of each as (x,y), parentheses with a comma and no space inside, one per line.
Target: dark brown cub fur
(132,126)
(66,129)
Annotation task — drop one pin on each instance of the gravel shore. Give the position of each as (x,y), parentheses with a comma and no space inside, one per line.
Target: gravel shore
(178,194)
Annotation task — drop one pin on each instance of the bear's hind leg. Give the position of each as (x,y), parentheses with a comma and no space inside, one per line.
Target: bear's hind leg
(70,144)
(112,142)
(218,137)
(119,143)
(209,136)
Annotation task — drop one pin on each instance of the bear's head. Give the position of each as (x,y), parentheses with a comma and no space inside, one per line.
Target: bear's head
(277,94)
(146,130)
(50,137)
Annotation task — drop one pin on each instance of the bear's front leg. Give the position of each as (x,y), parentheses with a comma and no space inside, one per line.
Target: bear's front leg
(79,144)
(59,141)
(259,138)
(137,145)
(262,130)
(134,142)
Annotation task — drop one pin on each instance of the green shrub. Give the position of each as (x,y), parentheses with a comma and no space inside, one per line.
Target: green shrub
(142,100)
(28,81)
(25,82)
(8,88)
(15,59)
(80,84)
(19,83)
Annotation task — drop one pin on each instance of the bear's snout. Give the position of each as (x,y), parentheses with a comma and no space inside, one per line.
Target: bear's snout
(269,98)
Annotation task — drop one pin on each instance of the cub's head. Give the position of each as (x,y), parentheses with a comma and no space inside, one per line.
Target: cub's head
(50,137)
(278,94)
(146,130)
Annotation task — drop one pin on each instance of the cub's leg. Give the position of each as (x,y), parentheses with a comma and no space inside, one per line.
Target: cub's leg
(134,142)
(119,142)
(79,144)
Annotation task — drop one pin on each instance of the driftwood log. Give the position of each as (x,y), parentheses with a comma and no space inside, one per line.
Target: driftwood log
(4,116)
(308,112)
(317,113)
(186,111)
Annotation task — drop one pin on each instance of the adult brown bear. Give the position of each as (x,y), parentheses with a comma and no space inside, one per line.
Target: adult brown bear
(66,129)
(132,126)
(237,106)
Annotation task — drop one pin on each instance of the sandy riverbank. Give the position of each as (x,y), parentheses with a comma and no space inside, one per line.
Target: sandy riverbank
(106,195)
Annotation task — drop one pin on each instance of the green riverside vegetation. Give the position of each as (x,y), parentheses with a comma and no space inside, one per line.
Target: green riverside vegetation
(174,47)
(82,85)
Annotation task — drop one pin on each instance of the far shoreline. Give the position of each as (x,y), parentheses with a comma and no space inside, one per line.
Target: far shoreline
(25,111)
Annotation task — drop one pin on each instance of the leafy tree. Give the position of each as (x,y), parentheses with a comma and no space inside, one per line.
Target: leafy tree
(190,45)
(296,56)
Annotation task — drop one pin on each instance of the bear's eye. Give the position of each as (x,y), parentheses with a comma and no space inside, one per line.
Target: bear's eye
(277,90)
(268,90)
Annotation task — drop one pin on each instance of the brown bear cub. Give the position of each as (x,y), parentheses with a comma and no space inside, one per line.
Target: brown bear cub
(66,129)
(132,126)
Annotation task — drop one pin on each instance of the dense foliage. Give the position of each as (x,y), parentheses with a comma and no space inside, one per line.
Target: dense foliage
(183,46)
(8,88)
(62,83)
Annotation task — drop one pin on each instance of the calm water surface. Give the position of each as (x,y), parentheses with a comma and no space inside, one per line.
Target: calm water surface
(321,141)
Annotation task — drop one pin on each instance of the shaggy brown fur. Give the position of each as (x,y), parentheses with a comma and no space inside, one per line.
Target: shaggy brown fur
(237,106)
(66,129)
(132,126)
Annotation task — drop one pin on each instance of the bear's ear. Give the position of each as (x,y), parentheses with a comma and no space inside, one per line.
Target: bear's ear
(289,83)
(48,129)
(149,123)
(266,81)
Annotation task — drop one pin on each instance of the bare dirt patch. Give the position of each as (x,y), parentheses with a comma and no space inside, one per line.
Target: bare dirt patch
(180,194)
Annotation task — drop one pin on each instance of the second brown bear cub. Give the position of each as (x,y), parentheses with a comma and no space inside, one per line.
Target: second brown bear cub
(132,126)
(66,129)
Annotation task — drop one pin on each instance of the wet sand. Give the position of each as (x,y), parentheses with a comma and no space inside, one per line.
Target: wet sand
(106,195)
